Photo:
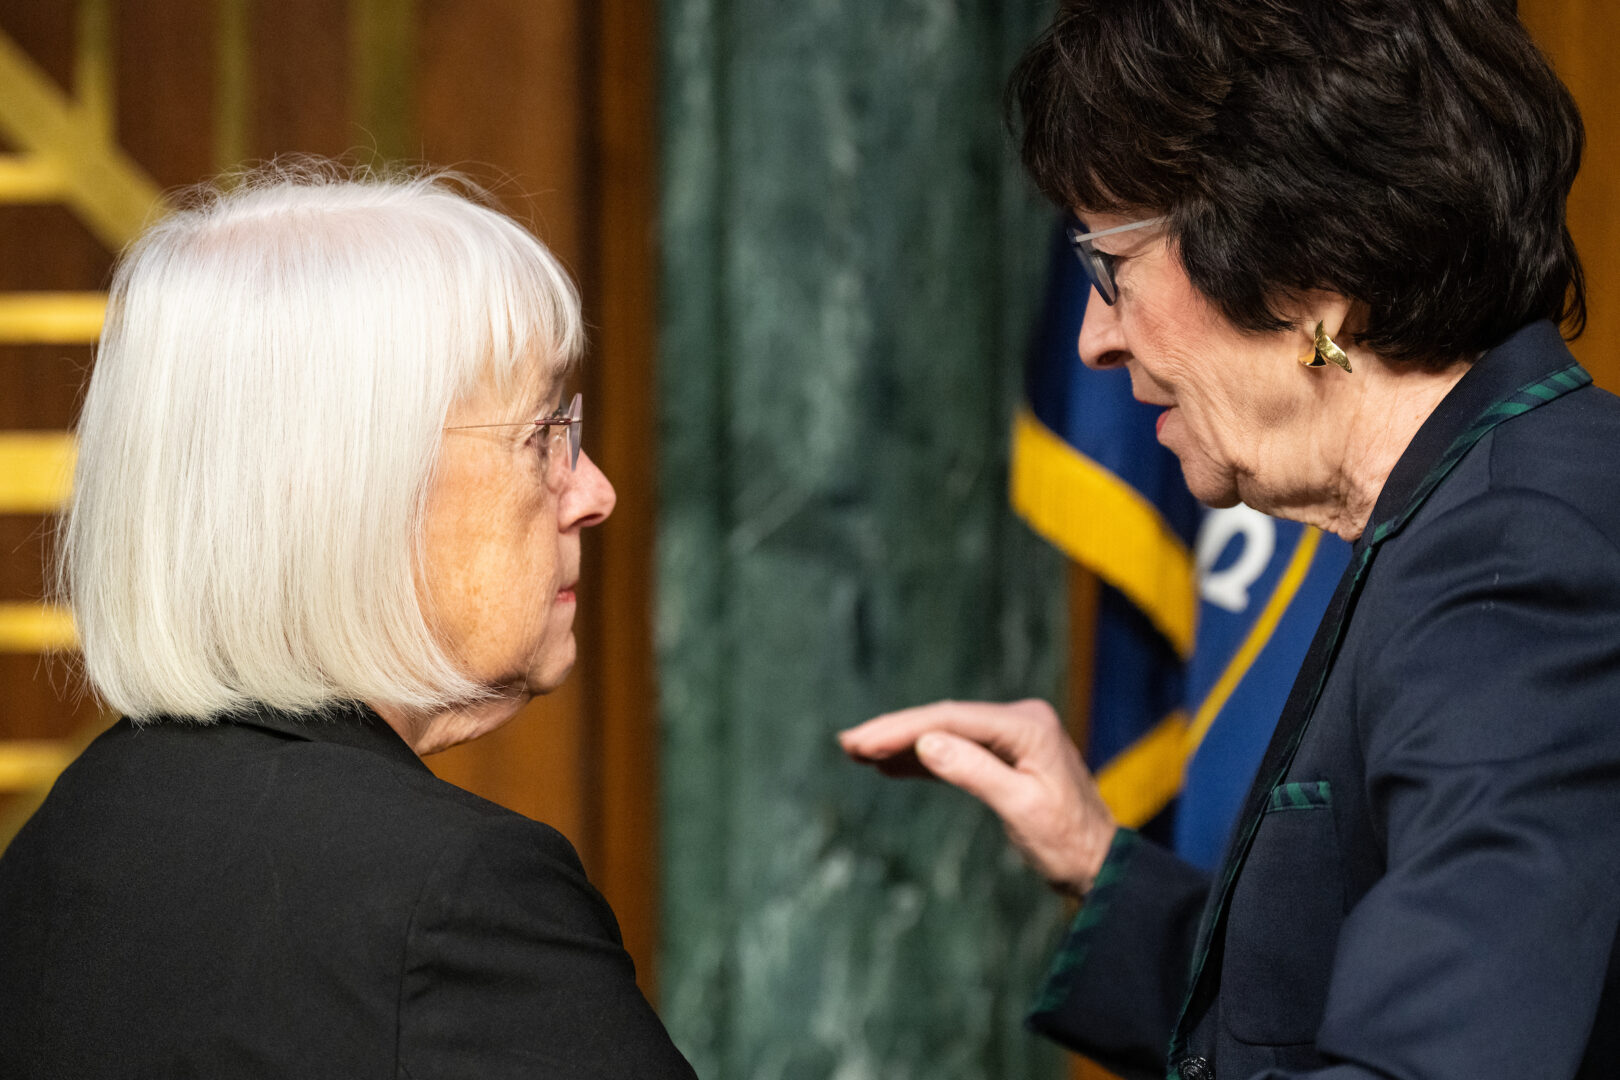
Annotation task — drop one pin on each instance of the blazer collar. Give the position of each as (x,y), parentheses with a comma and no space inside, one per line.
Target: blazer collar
(1530,354)
(348,723)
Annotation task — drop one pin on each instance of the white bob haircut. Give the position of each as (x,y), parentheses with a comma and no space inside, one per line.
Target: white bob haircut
(262,426)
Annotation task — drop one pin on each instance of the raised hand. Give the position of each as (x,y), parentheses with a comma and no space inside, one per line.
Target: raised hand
(1015,758)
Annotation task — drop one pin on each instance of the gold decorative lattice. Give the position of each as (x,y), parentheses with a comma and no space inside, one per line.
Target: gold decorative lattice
(66,154)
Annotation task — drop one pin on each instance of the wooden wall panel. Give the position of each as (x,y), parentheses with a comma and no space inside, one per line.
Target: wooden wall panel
(46,32)
(299,75)
(1582,37)
(166,110)
(44,248)
(621,302)
(501,95)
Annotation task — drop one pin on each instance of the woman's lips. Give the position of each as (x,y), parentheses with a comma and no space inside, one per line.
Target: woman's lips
(566,596)
(1158,425)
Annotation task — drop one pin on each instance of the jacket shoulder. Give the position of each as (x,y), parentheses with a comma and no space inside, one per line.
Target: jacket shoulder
(1567,450)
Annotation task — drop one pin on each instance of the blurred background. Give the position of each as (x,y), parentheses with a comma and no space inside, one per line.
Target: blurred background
(813,275)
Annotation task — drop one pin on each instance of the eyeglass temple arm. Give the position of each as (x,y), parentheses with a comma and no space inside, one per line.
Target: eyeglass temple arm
(1118,229)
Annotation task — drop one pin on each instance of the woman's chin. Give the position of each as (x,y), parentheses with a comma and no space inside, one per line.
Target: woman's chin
(1214,488)
(553,669)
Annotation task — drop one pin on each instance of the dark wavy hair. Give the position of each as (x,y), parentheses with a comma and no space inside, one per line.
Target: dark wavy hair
(1414,155)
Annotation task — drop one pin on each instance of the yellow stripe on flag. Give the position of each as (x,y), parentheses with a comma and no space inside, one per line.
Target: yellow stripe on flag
(51,318)
(35,628)
(36,471)
(1141,780)
(1104,523)
(31,764)
(1259,636)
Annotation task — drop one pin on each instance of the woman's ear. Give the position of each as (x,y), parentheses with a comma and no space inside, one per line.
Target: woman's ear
(1337,315)
(1324,315)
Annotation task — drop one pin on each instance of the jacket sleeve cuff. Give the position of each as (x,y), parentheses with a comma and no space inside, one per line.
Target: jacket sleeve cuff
(1116,984)
(1082,933)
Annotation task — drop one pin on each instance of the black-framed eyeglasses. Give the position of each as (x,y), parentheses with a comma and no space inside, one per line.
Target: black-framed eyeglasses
(1099,265)
(559,443)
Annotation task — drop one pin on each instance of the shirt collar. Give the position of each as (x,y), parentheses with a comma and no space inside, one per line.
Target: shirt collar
(347,723)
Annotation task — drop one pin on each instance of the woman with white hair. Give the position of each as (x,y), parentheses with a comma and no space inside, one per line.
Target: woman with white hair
(326,519)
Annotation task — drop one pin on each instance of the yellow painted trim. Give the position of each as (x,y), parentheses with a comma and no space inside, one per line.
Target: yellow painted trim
(36,471)
(104,186)
(27,179)
(1101,521)
(1259,636)
(93,74)
(31,764)
(35,628)
(1141,780)
(232,83)
(45,318)
(382,44)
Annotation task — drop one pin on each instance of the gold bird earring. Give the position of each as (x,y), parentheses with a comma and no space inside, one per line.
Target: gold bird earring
(1326,352)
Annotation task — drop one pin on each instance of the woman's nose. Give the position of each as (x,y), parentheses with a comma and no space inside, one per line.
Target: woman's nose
(589,497)
(1102,340)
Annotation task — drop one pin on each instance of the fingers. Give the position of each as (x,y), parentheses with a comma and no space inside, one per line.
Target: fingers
(1009,730)
(1015,758)
(904,764)
(972,768)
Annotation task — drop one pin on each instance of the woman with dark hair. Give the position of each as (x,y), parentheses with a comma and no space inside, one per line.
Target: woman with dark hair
(1328,239)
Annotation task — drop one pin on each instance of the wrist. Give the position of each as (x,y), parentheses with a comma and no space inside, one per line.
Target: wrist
(1091,853)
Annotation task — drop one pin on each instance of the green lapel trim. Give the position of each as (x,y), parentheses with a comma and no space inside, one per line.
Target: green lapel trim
(1077,942)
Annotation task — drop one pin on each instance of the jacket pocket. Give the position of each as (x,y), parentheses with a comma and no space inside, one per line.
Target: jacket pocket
(1287,907)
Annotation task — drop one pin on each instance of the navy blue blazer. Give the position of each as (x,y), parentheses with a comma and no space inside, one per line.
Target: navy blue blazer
(1425,882)
(280,896)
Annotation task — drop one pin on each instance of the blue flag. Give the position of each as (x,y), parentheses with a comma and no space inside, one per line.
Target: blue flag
(1205,615)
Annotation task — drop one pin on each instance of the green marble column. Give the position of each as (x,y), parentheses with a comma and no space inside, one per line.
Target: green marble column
(851,261)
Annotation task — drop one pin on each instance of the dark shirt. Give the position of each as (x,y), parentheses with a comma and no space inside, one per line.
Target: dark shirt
(291,896)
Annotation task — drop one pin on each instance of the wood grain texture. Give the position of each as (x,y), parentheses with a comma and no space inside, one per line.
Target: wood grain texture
(1582,38)
(620,302)
(165,81)
(499,91)
(299,80)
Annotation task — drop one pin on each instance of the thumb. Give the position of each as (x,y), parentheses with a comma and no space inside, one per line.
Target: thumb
(969,766)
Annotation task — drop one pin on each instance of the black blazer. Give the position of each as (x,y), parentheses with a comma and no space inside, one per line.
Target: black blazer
(299,897)
(1425,882)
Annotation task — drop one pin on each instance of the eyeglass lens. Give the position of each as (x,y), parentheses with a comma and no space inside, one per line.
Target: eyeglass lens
(564,440)
(1098,265)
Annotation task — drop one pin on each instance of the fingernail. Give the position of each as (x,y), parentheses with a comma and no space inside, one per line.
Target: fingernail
(932,747)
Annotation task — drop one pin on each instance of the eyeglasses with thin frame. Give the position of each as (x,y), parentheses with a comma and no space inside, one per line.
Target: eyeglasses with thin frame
(559,443)
(1099,265)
